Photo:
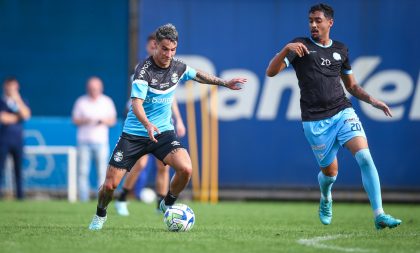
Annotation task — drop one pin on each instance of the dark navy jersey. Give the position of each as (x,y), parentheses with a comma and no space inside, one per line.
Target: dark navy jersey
(156,86)
(319,72)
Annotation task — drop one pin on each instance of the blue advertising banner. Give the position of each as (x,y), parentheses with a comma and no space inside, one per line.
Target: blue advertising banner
(261,142)
(50,170)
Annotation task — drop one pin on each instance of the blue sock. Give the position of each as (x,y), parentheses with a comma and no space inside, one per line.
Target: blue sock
(325,185)
(370,179)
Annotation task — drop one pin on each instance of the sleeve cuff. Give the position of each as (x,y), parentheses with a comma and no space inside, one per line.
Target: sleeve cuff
(286,61)
(139,89)
(347,71)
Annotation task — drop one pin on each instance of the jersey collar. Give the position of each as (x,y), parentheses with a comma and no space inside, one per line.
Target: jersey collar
(320,45)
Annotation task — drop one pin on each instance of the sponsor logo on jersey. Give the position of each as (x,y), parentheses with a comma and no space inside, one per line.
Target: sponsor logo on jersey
(351,120)
(157,100)
(143,69)
(163,86)
(118,156)
(174,78)
(336,56)
(154,81)
(318,147)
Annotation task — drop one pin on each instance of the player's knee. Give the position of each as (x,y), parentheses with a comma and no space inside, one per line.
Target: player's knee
(330,173)
(109,186)
(186,171)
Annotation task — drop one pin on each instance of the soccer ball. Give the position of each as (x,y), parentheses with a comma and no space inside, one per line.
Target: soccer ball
(179,218)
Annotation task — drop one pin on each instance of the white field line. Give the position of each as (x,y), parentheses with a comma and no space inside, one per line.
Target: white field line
(317,242)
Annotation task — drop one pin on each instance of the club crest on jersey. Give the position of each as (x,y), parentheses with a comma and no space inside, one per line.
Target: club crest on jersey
(118,156)
(336,56)
(174,78)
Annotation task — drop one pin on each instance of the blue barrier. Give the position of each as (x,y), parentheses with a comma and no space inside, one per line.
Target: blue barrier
(261,138)
(231,37)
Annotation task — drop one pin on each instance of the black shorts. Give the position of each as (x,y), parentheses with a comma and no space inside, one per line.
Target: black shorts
(131,147)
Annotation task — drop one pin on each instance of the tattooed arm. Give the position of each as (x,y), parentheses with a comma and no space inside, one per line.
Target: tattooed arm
(354,89)
(233,84)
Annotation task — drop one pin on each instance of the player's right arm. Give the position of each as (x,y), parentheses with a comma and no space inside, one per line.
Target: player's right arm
(277,64)
(138,110)
(139,89)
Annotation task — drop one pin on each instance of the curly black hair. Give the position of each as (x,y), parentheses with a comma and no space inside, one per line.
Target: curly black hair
(326,9)
(168,32)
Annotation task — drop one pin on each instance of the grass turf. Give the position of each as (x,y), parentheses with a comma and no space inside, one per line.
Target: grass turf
(57,226)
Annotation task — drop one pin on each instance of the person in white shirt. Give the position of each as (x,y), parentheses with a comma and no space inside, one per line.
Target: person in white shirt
(93,114)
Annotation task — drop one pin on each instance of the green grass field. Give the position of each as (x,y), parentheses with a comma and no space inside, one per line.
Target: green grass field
(46,227)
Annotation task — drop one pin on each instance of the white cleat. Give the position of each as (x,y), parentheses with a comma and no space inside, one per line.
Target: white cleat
(121,207)
(97,222)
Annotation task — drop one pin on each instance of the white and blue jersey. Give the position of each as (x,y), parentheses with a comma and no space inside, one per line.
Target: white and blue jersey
(156,86)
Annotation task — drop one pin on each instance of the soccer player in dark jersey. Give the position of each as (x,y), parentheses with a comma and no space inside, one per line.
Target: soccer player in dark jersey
(148,127)
(329,120)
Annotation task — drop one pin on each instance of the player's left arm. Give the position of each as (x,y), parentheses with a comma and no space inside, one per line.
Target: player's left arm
(233,84)
(354,89)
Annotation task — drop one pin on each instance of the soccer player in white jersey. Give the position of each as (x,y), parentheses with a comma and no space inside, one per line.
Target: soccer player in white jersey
(148,127)
(329,121)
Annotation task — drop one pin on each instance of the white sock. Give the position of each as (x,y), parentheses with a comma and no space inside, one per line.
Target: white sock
(378,212)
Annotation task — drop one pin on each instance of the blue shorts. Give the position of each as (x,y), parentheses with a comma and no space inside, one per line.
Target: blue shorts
(327,135)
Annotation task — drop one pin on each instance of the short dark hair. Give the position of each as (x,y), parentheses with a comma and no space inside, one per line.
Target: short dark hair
(168,32)
(9,79)
(326,9)
(151,36)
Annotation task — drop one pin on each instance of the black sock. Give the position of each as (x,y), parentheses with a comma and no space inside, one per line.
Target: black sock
(170,199)
(123,196)
(159,199)
(101,212)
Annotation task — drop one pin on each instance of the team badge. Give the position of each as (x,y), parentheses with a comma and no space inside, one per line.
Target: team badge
(118,156)
(174,78)
(336,56)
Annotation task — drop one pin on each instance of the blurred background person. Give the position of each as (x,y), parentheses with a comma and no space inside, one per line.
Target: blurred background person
(13,112)
(136,179)
(93,114)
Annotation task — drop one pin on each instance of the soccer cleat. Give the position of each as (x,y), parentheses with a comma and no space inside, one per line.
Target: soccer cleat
(121,207)
(162,206)
(325,211)
(385,220)
(97,222)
